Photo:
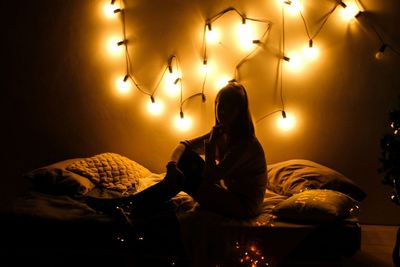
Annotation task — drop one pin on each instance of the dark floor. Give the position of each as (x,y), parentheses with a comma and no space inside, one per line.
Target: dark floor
(376,247)
(376,251)
(377,242)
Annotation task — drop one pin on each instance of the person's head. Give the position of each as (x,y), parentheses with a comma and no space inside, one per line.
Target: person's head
(232,111)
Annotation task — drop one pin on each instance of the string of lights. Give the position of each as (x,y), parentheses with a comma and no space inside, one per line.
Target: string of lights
(258,42)
(311,37)
(384,45)
(351,10)
(280,68)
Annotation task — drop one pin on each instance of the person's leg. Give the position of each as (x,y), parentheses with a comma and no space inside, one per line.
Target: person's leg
(187,179)
(150,198)
(192,166)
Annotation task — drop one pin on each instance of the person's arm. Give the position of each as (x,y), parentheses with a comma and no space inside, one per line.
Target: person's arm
(210,172)
(196,144)
(177,153)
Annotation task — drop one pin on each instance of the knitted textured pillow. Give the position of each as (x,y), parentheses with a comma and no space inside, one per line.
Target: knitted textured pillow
(111,171)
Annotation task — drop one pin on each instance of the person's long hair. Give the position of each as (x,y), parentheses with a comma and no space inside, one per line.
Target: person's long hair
(242,128)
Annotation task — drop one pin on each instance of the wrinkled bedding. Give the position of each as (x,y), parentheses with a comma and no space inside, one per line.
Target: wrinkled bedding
(206,236)
(45,219)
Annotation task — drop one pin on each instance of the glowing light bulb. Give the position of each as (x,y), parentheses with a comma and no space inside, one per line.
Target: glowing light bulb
(292,6)
(113,48)
(123,85)
(183,123)
(380,53)
(245,35)
(108,10)
(155,107)
(294,62)
(212,35)
(286,123)
(349,11)
(205,67)
(172,83)
(222,81)
(311,51)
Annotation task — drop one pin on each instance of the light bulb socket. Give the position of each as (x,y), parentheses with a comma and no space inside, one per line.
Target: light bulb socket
(256,41)
(181,114)
(359,13)
(342,4)
(112,2)
(205,61)
(286,58)
(243,20)
(382,48)
(170,63)
(117,10)
(152,99)
(287,2)
(126,77)
(208,24)
(283,114)
(122,42)
(177,80)
(310,43)
(203,98)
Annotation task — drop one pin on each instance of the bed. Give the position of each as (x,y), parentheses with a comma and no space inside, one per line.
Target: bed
(309,216)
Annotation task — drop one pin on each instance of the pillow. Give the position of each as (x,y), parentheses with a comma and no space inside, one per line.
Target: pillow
(316,206)
(55,179)
(294,176)
(111,171)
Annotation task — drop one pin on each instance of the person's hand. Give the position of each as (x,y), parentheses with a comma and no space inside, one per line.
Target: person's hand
(171,166)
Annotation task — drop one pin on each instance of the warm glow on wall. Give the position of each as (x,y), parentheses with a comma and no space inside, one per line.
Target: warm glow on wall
(183,124)
(350,11)
(248,36)
(123,85)
(286,123)
(155,107)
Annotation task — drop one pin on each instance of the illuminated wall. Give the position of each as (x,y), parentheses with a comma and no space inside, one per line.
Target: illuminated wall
(66,68)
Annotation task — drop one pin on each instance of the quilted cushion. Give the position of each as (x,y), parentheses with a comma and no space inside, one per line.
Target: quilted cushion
(316,206)
(111,171)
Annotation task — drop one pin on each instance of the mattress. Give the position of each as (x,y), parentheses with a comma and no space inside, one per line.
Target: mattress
(59,229)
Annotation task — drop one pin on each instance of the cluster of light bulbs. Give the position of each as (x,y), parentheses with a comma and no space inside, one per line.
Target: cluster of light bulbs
(172,76)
